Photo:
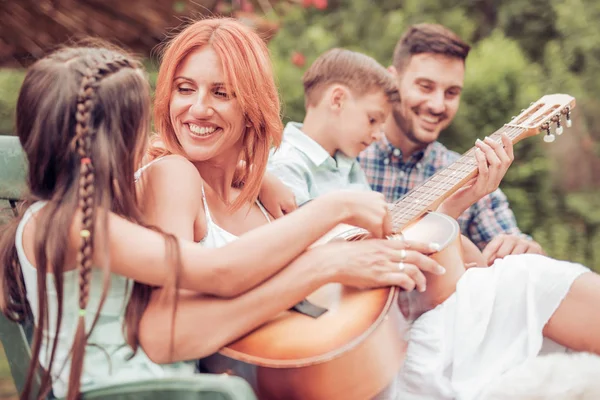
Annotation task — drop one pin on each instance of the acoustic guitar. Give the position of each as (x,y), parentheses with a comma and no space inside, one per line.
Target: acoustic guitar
(354,349)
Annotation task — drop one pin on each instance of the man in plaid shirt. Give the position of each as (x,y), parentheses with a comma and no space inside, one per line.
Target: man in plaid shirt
(429,67)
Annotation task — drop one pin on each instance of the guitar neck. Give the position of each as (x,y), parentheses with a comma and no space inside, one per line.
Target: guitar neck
(431,193)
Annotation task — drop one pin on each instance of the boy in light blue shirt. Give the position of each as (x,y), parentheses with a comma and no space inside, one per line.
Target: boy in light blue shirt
(348,97)
(309,171)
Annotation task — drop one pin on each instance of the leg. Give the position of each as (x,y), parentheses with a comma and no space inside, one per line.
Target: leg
(576,322)
(472,256)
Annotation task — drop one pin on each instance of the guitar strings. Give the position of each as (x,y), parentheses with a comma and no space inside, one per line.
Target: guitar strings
(462,166)
(439,183)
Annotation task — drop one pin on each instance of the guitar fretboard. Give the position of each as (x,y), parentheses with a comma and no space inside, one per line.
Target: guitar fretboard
(442,184)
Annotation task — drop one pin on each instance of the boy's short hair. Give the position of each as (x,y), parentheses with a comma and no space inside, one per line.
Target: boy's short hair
(429,38)
(357,71)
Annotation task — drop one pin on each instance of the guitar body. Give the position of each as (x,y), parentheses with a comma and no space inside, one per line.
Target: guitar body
(355,349)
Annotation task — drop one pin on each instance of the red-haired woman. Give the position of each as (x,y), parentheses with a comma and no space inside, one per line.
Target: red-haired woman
(217,108)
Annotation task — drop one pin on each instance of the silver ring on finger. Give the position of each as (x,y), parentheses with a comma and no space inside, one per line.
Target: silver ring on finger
(403,254)
(397,236)
(401,266)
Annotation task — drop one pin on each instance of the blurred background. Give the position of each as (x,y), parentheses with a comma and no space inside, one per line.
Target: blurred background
(522,49)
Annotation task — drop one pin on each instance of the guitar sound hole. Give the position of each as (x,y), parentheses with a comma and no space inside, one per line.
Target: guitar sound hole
(357,237)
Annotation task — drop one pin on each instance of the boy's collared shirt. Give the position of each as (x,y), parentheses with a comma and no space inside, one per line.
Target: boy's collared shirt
(309,171)
(387,173)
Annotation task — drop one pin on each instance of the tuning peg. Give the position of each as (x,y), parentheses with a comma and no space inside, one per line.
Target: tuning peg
(548,137)
(567,112)
(559,128)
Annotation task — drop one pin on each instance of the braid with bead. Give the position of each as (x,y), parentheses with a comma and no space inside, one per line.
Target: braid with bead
(87,208)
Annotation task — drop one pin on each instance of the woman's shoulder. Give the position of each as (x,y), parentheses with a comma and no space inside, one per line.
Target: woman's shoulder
(169,167)
(172,176)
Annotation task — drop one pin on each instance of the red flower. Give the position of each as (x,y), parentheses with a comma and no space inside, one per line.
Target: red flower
(298,59)
(306,3)
(247,6)
(320,4)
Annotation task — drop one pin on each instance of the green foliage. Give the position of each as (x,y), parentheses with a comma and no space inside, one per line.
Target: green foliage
(499,82)
(531,23)
(10,82)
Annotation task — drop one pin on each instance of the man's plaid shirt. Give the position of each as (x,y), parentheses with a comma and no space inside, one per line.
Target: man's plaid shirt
(388,174)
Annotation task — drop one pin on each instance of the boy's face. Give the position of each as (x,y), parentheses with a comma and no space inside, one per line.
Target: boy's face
(360,121)
(430,86)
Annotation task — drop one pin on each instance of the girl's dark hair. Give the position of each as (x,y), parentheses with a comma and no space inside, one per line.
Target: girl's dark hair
(82,118)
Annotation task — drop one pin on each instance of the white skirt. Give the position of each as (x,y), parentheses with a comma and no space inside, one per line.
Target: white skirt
(493,322)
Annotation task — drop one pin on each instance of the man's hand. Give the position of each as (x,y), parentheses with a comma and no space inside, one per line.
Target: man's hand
(493,159)
(504,245)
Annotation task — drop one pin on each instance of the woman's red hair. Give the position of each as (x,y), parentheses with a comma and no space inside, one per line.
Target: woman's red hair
(248,73)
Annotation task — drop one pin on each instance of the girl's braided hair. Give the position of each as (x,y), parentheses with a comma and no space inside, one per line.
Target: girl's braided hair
(84,133)
(83,116)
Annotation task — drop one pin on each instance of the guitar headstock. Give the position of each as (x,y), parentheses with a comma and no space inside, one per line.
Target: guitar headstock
(542,115)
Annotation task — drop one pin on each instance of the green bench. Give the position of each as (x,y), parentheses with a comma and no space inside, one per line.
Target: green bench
(15,337)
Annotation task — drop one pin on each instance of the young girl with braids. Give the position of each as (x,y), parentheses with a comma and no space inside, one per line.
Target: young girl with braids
(69,260)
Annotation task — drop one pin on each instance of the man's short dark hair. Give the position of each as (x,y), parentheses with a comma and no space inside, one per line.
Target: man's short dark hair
(429,38)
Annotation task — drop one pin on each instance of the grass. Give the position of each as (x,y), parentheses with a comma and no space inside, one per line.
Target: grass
(10,82)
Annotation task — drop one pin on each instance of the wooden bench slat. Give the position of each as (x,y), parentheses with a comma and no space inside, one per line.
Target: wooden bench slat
(6,211)
(13,168)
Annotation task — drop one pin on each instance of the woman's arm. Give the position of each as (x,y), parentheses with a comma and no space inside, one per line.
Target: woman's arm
(204,324)
(171,199)
(140,254)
